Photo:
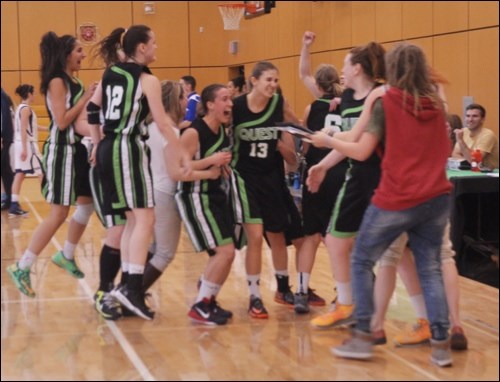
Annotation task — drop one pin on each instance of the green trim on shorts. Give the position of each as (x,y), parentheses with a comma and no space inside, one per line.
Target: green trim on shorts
(335,213)
(242,191)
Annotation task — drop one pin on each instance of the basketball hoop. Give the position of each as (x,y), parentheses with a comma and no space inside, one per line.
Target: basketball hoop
(231,15)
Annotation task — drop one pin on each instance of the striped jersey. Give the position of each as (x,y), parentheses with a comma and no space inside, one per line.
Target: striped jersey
(319,117)
(350,110)
(209,143)
(124,105)
(255,136)
(67,136)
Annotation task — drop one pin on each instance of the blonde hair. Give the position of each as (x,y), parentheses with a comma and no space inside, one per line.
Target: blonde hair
(171,95)
(327,78)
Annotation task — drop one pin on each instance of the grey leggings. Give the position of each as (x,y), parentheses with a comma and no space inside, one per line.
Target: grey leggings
(167,230)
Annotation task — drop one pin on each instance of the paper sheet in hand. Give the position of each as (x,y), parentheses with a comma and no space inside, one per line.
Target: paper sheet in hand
(294,129)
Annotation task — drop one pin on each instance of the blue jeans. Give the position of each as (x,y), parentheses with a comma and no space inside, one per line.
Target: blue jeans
(425,225)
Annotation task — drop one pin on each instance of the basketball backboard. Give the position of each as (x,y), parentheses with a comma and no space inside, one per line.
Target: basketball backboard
(257,8)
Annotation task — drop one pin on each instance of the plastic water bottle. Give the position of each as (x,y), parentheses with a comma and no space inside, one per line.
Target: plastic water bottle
(477,158)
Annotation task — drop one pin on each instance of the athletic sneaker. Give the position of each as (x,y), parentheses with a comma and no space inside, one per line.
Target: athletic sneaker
(21,278)
(107,306)
(204,312)
(333,304)
(342,315)
(5,205)
(360,346)
(219,310)
(314,299)
(441,354)
(420,333)
(379,337)
(15,210)
(256,308)
(458,339)
(68,265)
(285,298)
(134,301)
(301,304)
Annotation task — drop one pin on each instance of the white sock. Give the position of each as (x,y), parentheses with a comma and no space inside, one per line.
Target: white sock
(281,273)
(253,285)
(135,269)
(418,304)
(14,198)
(303,282)
(344,293)
(69,250)
(125,267)
(26,260)
(207,290)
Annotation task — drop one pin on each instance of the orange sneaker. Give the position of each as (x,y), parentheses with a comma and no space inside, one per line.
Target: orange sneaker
(342,315)
(420,333)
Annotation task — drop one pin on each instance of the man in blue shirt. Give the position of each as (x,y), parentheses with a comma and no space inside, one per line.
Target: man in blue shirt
(189,85)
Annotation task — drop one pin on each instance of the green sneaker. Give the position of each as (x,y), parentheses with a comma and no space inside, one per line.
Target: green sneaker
(22,279)
(68,265)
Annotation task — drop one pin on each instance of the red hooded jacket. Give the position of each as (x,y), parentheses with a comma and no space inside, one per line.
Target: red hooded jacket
(415,154)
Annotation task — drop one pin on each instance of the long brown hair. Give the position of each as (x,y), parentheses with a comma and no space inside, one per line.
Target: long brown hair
(121,38)
(54,51)
(371,59)
(407,70)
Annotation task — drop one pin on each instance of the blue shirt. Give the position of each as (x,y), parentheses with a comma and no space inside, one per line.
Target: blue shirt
(193,100)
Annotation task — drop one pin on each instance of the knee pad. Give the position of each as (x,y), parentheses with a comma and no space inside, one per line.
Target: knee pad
(83,213)
(161,260)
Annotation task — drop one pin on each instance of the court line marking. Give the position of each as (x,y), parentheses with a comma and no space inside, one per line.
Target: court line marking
(32,301)
(117,333)
(411,365)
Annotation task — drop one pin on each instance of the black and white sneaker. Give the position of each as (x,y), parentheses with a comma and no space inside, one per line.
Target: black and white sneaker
(204,312)
(219,310)
(133,301)
(107,306)
(301,304)
(15,210)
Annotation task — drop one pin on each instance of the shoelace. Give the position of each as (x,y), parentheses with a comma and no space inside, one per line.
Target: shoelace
(257,304)
(25,277)
(110,301)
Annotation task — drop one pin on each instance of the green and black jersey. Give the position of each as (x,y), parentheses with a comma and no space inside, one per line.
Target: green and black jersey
(124,105)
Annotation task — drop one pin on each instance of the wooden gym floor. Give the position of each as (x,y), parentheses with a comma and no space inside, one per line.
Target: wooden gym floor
(59,336)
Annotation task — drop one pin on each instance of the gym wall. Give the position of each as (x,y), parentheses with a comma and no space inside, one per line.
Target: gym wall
(460,39)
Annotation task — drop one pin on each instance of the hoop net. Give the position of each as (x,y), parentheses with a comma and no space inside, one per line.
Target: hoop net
(231,15)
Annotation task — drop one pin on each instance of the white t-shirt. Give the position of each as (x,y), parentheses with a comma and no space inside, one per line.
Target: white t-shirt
(161,181)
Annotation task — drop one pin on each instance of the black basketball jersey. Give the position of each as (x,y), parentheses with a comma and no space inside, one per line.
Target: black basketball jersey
(319,117)
(255,136)
(209,143)
(351,109)
(124,105)
(74,92)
